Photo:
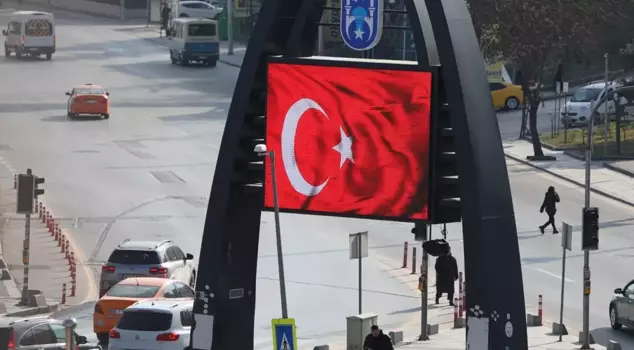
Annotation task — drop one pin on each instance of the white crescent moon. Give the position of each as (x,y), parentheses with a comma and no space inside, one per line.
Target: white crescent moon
(289,130)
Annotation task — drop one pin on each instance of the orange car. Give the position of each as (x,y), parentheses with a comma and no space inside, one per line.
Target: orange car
(88,99)
(110,307)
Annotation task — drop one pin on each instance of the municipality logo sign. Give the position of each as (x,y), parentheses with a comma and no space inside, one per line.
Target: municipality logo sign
(361,23)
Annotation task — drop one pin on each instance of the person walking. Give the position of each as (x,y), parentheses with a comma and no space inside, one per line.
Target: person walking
(165,16)
(446,276)
(377,340)
(551,198)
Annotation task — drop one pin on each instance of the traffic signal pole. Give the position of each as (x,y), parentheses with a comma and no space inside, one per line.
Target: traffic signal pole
(586,253)
(424,293)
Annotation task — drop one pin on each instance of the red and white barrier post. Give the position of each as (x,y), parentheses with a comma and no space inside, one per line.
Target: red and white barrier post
(40,210)
(464,296)
(60,243)
(405,255)
(414,261)
(540,310)
(63,293)
(456,314)
(67,251)
(73,275)
(460,295)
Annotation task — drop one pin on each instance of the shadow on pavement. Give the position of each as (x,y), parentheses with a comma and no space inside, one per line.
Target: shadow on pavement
(625,337)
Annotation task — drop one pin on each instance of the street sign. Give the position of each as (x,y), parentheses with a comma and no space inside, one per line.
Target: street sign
(565,87)
(284,337)
(566,236)
(358,245)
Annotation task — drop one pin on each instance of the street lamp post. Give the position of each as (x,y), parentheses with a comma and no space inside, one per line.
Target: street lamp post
(262,151)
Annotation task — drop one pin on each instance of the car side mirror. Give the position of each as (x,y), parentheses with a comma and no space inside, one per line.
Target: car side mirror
(107,94)
(68,94)
(189,257)
(4,32)
(81,340)
(618,291)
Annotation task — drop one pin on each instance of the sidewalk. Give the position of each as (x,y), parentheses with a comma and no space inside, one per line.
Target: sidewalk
(48,268)
(604,180)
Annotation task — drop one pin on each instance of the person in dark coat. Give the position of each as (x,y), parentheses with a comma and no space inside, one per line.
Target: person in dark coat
(165,16)
(376,340)
(550,205)
(446,276)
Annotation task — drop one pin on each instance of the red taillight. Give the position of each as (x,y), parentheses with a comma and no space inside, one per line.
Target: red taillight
(114,334)
(107,268)
(158,270)
(98,309)
(11,343)
(167,337)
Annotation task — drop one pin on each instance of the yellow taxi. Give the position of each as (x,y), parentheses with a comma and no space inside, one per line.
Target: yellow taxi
(109,308)
(506,95)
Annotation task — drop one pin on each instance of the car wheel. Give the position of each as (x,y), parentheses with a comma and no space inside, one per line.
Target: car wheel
(70,115)
(18,52)
(7,53)
(211,63)
(192,279)
(49,56)
(103,338)
(106,116)
(614,318)
(512,103)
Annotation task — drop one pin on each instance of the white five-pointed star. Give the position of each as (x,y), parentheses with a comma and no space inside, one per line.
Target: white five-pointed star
(358,33)
(344,148)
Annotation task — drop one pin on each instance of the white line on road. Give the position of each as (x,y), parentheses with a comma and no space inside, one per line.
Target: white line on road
(554,275)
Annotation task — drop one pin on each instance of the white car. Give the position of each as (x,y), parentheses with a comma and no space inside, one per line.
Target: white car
(577,110)
(198,9)
(154,324)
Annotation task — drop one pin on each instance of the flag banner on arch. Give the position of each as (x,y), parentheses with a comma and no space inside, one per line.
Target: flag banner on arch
(349,140)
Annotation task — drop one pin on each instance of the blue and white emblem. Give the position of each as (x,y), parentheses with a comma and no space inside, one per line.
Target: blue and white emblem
(361,23)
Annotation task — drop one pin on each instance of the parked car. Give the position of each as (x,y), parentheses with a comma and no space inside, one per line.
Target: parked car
(154,324)
(161,259)
(109,308)
(506,95)
(622,307)
(37,333)
(198,9)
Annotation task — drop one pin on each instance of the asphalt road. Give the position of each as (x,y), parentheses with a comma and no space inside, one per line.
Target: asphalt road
(510,121)
(146,172)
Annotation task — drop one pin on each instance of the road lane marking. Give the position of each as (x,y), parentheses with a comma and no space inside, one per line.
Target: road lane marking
(554,275)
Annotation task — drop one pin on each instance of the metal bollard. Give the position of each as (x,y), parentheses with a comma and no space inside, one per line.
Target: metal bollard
(40,210)
(58,232)
(44,214)
(414,261)
(63,294)
(540,311)
(456,315)
(461,307)
(70,324)
(405,255)
(60,242)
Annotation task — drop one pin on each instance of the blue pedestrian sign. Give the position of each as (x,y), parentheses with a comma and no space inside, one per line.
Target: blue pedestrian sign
(361,23)
(284,337)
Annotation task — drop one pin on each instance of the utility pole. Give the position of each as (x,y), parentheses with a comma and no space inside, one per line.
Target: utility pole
(230,4)
(606,117)
(586,253)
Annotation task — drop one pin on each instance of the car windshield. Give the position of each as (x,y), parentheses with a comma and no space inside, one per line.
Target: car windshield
(89,91)
(202,29)
(145,320)
(132,291)
(586,95)
(134,257)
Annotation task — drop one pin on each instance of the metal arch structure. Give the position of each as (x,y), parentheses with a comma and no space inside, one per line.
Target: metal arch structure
(444,35)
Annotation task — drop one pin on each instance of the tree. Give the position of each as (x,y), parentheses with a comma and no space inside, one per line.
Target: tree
(534,36)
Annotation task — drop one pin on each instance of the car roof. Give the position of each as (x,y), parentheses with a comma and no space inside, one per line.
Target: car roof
(599,85)
(145,281)
(88,86)
(25,322)
(128,244)
(162,305)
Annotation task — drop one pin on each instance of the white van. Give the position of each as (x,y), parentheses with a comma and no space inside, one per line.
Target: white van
(30,33)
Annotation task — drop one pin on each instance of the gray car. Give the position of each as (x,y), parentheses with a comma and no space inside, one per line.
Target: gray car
(36,334)
(147,258)
(622,307)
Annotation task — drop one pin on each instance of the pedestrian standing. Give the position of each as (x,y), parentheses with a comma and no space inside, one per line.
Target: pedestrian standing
(165,16)
(551,198)
(446,276)
(377,340)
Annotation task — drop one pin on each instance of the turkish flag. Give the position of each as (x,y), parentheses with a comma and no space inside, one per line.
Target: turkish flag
(349,141)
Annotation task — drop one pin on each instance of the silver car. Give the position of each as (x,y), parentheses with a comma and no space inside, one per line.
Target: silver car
(147,258)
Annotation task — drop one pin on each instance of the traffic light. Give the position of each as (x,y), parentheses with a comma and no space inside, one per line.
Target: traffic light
(26,193)
(445,206)
(419,231)
(590,235)
(38,191)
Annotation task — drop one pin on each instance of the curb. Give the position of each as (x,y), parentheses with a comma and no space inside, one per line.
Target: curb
(229,63)
(550,172)
(33,311)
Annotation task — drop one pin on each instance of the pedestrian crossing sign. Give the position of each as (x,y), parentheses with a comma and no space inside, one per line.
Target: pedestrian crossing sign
(284,337)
